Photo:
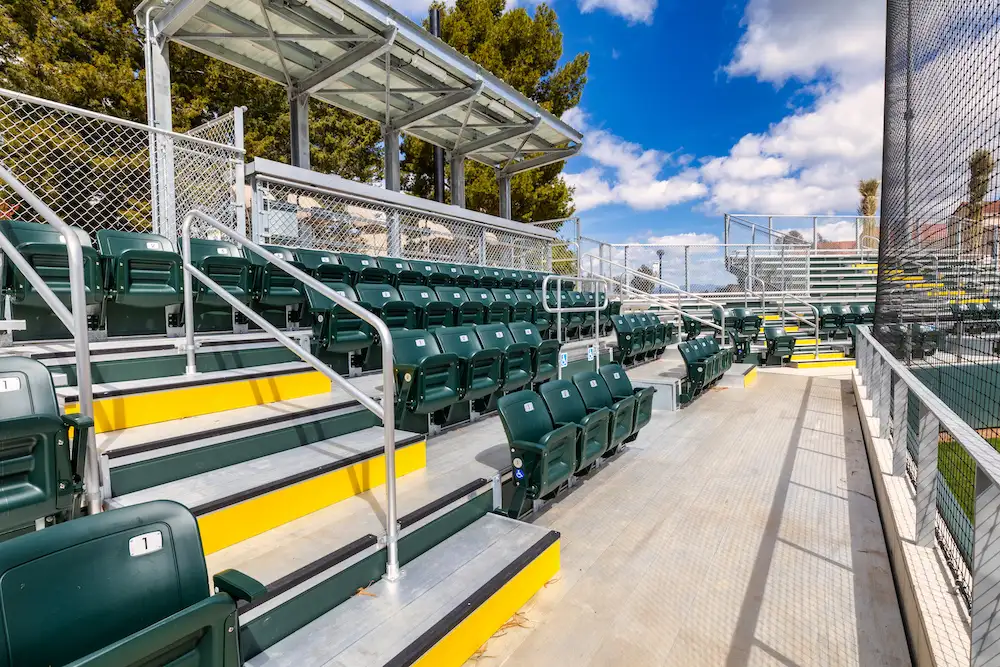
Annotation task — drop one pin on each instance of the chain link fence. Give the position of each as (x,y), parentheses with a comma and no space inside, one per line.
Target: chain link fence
(99,172)
(821,232)
(302,215)
(938,295)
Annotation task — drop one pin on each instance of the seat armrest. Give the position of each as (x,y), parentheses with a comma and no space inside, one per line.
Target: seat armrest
(600,414)
(567,432)
(78,447)
(443,359)
(490,354)
(134,649)
(238,586)
(529,446)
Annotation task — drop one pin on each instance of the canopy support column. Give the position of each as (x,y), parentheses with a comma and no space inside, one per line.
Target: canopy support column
(161,149)
(503,181)
(391,138)
(458,180)
(300,129)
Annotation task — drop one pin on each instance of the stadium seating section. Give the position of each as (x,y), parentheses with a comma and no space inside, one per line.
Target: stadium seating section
(706,362)
(567,426)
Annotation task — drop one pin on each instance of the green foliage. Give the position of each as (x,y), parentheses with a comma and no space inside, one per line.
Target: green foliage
(868,189)
(642,284)
(524,51)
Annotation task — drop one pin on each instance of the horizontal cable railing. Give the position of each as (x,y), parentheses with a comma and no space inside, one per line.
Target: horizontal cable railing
(384,411)
(955,476)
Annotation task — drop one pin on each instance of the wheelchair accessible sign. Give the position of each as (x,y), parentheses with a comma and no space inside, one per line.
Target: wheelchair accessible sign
(563,360)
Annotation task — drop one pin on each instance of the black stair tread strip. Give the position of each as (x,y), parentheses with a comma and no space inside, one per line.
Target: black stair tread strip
(439,630)
(264,489)
(430,508)
(229,428)
(310,570)
(167,386)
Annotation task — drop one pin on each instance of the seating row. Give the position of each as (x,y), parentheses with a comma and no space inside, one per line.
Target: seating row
(741,320)
(977,318)
(838,318)
(568,425)
(641,337)
(446,374)
(705,362)
(134,281)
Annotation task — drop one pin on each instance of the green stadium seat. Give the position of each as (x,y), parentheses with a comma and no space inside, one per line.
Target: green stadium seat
(724,354)
(704,366)
(544,353)
(595,393)
(518,369)
(222,262)
(448,274)
(747,322)
(364,268)
(41,467)
(492,277)
(923,339)
(544,320)
(571,322)
(566,407)
(44,249)
(692,327)
(779,345)
(726,317)
(630,342)
(400,272)
(530,280)
(426,269)
(386,302)
(526,306)
(428,380)
(504,305)
(324,266)
(543,455)
(648,335)
(338,335)
(431,311)
(659,330)
(273,289)
(511,278)
(588,318)
(741,345)
(481,369)
(864,313)
(621,387)
(471,276)
(142,278)
(470,309)
(829,321)
(845,316)
(127,587)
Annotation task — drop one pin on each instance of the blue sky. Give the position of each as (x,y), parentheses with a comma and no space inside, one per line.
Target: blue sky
(694,109)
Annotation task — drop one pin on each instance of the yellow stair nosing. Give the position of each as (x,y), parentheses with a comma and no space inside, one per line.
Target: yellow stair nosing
(829,363)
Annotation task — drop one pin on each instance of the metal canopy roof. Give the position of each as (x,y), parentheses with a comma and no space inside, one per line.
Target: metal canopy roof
(336,51)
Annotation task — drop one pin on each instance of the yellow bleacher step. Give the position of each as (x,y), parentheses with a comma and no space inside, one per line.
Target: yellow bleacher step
(864,266)
(954,293)
(822,356)
(906,279)
(923,285)
(141,402)
(804,341)
(772,318)
(830,363)
(969,301)
(791,328)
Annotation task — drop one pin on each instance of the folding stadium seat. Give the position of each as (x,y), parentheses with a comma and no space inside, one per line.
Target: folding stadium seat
(484,298)
(572,322)
(428,380)
(400,272)
(530,280)
(492,277)
(276,295)
(431,311)
(41,467)
(621,387)
(701,369)
(723,354)
(124,587)
(471,275)
(659,330)
(511,278)
(544,320)
(224,264)
(504,305)
(779,345)
(324,266)
(364,269)
(469,309)
(565,405)
(741,346)
(544,353)
(845,316)
(725,318)
(481,369)
(595,393)
(543,455)
(604,314)
(386,302)
(428,270)
(829,321)
(517,367)
(526,306)
(747,322)
(448,274)
(692,327)
(630,342)
(45,250)
(588,318)
(648,335)
(340,338)
(864,312)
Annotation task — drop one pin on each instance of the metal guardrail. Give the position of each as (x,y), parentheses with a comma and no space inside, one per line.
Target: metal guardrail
(75,321)
(924,452)
(560,309)
(384,411)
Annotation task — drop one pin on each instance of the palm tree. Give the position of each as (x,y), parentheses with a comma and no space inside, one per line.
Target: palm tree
(981,166)
(868,189)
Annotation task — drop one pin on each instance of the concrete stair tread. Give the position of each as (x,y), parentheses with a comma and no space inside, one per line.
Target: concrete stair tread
(201,492)
(64,350)
(370,630)
(454,460)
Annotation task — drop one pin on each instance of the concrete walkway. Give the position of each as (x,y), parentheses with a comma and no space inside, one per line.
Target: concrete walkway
(739,531)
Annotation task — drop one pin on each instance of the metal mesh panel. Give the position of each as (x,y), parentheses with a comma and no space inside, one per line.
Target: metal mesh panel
(293,215)
(823,232)
(95,172)
(938,305)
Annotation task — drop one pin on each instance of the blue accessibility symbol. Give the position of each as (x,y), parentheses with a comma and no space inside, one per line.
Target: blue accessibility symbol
(519,473)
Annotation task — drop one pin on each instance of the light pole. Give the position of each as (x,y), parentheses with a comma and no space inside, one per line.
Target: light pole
(659,254)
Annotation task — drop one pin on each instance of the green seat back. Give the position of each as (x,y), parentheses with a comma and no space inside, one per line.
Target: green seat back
(517,366)
(273,286)
(424,267)
(319,302)
(412,346)
(525,417)
(456,296)
(471,276)
(529,279)
(774,332)
(386,301)
(503,306)
(113,243)
(364,268)
(563,401)
(76,588)
(434,383)
(593,390)
(143,269)
(323,265)
(511,278)
(480,295)
(432,311)
(45,249)
(493,277)
(453,271)
(459,340)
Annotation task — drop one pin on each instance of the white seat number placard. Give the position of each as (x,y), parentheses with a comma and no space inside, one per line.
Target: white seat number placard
(9,384)
(147,543)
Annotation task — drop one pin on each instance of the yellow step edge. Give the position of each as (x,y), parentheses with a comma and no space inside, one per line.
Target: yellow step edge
(923,285)
(230,525)
(969,301)
(956,293)
(805,341)
(864,266)
(833,363)
(822,355)
(461,643)
(791,328)
(750,377)
(906,279)
(772,318)
(117,412)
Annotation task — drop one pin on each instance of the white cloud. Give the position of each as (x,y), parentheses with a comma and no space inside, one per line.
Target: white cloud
(634,11)
(625,173)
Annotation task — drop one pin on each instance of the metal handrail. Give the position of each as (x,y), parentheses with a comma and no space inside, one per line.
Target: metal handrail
(653,279)
(788,311)
(384,410)
(559,310)
(75,321)
(660,300)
